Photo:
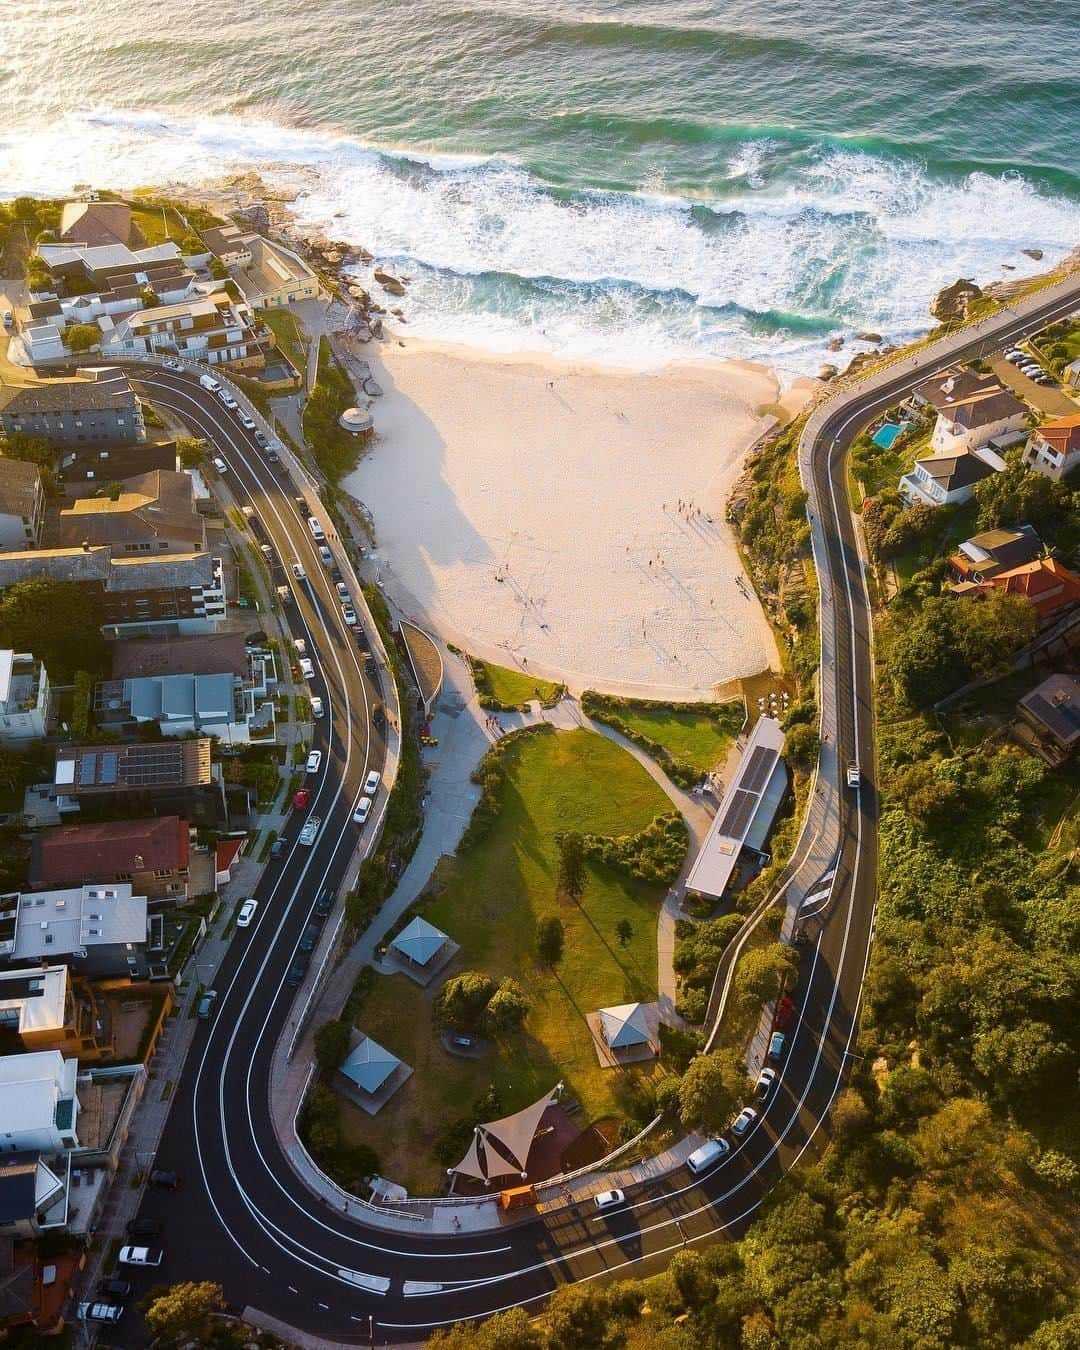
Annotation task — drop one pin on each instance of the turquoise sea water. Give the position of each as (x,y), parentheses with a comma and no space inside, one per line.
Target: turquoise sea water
(629,180)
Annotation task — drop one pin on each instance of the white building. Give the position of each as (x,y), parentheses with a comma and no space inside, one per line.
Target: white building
(103,921)
(39,1107)
(212,328)
(976,418)
(25,697)
(949,479)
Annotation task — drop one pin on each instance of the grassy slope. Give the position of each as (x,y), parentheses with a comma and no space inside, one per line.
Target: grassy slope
(153,228)
(282,323)
(516,686)
(492,899)
(687,733)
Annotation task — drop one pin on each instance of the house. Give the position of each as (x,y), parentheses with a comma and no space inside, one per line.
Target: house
(234,709)
(946,480)
(1050,587)
(1052,710)
(214,329)
(985,555)
(1054,448)
(134,658)
(1070,376)
(100,930)
(154,513)
(229,244)
(153,855)
(41,340)
(106,266)
(39,1106)
(29,1190)
(25,697)
(85,469)
(96,406)
(268,273)
(45,1008)
(22,501)
(142,593)
(972,409)
(92,224)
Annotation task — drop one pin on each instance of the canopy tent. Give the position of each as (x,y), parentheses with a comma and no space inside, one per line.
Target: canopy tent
(503,1145)
(624,1026)
(420,941)
(369,1065)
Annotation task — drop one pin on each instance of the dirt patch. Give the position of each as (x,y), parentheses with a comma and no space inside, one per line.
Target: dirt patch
(594,1142)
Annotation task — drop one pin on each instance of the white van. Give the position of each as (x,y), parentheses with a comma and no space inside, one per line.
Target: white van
(208,382)
(704,1157)
(316,529)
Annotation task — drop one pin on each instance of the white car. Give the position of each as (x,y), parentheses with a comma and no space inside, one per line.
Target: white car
(248,423)
(313,761)
(219,464)
(310,832)
(363,810)
(609,1199)
(316,706)
(371,783)
(171,363)
(301,646)
(343,593)
(247,913)
(349,615)
(227,399)
(742,1122)
(140,1256)
(298,572)
(765,1081)
(306,668)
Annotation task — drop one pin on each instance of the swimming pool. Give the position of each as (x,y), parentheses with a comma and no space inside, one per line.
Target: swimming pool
(887,434)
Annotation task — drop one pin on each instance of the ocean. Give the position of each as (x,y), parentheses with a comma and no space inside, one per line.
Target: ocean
(628,181)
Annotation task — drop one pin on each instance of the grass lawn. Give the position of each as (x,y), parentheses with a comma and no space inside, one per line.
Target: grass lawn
(489,902)
(157,226)
(688,733)
(514,687)
(290,340)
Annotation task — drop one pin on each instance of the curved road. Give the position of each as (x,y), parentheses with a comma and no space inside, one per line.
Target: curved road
(247,1220)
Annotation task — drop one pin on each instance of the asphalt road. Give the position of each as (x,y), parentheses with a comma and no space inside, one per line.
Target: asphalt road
(246,1220)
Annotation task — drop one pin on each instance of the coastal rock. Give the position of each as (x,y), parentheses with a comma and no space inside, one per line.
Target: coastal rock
(868,337)
(1035,253)
(1008,267)
(389,283)
(398,314)
(834,344)
(372,389)
(952,302)
(376,328)
(827,372)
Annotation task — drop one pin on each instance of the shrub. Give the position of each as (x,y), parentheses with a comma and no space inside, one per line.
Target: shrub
(461,1002)
(550,936)
(655,853)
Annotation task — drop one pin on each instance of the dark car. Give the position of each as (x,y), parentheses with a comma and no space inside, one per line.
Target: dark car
(378,716)
(277,849)
(164,1180)
(324,905)
(308,938)
(371,666)
(144,1228)
(261,441)
(114,1290)
(362,640)
(335,572)
(298,970)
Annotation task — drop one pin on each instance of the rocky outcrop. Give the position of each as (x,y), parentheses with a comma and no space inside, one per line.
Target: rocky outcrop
(834,344)
(951,302)
(875,338)
(1035,253)
(389,283)
(827,372)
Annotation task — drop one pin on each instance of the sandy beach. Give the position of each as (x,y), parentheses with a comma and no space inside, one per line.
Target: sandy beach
(569,519)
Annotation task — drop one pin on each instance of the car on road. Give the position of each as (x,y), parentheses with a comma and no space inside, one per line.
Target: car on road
(116,1290)
(248,423)
(371,783)
(298,970)
(854,775)
(298,572)
(349,615)
(219,464)
(9,318)
(140,1256)
(144,1228)
(316,706)
(308,938)
(171,363)
(313,762)
(363,810)
(310,832)
(261,441)
(324,905)
(776,1046)
(325,556)
(742,1122)
(302,799)
(247,913)
(228,400)
(206,1003)
(609,1199)
(100,1311)
(306,668)
(161,1177)
(343,593)
(766,1081)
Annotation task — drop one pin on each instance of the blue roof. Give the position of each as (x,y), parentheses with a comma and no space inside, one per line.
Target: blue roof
(369,1065)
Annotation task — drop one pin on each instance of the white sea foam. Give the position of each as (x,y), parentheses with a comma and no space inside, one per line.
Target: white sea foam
(849,239)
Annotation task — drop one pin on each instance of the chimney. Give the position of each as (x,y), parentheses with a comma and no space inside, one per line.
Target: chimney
(86,545)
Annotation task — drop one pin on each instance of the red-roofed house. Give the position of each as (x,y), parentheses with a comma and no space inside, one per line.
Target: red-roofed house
(1051,588)
(152,854)
(1054,448)
(227,851)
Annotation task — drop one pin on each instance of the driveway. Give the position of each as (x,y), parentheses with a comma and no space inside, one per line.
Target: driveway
(1048,399)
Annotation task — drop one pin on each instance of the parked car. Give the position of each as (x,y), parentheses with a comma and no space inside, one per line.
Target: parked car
(378,717)
(343,593)
(325,556)
(308,938)
(206,1003)
(277,849)
(115,1290)
(324,904)
(310,832)
(300,645)
(171,363)
(298,572)
(247,913)
(363,810)
(248,423)
(101,1311)
(313,762)
(302,799)
(9,318)
(307,669)
(261,441)
(371,782)
(316,706)
(161,1177)
(297,970)
(742,1122)
(219,464)
(776,1046)
(274,460)
(228,400)
(609,1199)
(140,1256)
(765,1082)
(335,572)
(349,615)
(144,1228)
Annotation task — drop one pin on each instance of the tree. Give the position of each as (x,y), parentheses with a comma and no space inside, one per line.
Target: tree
(578,1320)
(710,1091)
(803,744)
(550,936)
(192,452)
(507,1009)
(505,1331)
(761,974)
(624,931)
(218,270)
(1018,494)
(185,1312)
(59,621)
(331,1045)
(33,449)
(572,872)
(461,1001)
(80,337)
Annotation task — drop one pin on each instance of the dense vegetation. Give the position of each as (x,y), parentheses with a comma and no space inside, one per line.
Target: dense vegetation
(655,853)
(336,451)
(59,622)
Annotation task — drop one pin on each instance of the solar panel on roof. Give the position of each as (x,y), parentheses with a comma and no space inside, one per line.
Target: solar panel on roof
(757,771)
(108,767)
(88,768)
(738,814)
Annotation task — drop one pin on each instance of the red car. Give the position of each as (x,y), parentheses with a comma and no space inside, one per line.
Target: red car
(302,799)
(784,1009)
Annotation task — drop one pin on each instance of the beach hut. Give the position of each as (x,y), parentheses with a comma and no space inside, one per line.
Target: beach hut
(624,1026)
(369,1066)
(420,942)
